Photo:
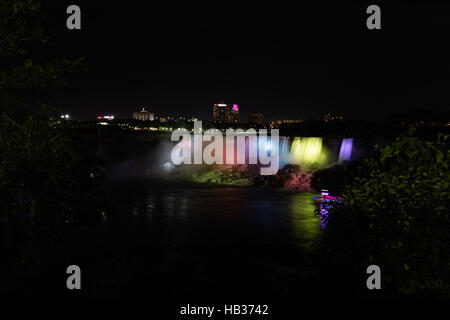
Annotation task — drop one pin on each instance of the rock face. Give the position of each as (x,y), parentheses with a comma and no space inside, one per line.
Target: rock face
(290,178)
(300,181)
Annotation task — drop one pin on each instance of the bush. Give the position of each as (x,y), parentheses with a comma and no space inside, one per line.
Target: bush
(331,179)
(395,215)
(42,176)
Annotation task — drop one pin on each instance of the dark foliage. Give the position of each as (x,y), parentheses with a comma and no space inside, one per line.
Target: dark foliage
(395,215)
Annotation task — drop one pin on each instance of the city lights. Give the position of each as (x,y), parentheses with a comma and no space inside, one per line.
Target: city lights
(108,117)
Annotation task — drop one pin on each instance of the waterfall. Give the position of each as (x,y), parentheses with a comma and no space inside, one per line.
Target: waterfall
(307,150)
(345,153)
(284,145)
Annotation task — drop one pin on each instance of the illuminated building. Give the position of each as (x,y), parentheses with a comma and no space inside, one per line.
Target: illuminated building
(143,115)
(288,121)
(329,117)
(235,113)
(222,112)
(255,117)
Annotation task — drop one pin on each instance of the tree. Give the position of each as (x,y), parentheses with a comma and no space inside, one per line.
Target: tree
(24,80)
(39,164)
(395,215)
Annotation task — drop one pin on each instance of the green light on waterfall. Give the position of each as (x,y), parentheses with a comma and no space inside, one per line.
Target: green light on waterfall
(308,151)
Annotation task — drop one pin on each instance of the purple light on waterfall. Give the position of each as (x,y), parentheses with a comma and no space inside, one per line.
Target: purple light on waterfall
(345,153)
(235,107)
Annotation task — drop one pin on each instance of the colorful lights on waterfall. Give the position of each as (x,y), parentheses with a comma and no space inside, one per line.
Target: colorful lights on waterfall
(284,151)
(308,151)
(265,145)
(345,152)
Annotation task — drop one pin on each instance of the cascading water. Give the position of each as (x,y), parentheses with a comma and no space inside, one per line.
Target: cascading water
(345,152)
(307,151)
(284,151)
(311,152)
(265,145)
(284,145)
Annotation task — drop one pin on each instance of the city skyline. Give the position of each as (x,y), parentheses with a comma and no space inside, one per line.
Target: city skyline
(286,64)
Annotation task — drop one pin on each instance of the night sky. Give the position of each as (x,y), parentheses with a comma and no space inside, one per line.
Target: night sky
(286,60)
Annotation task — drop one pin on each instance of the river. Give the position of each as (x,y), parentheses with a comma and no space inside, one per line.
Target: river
(182,239)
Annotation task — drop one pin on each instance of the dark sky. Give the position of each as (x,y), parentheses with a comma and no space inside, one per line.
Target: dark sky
(288,60)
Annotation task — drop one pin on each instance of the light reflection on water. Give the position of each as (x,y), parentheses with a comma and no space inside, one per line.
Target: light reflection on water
(305,225)
(195,238)
(240,217)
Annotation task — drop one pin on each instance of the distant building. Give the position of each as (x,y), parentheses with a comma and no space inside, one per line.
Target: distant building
(330,117)
(421,117)
(223,112)
(143,115)
(107,117)
(288,121)
(235,113)
(255,117)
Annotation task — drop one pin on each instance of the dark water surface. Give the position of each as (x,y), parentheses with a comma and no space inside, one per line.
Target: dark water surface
(176,240)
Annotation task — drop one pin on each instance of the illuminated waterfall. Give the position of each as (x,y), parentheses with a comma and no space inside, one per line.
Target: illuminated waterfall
(284,151)
(345,153)
(284,145)
(307,151)
(265,145)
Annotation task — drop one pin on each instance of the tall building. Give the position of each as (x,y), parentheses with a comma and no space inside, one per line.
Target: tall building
(255,117)
(222,112)
(143,115)
(235,113)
